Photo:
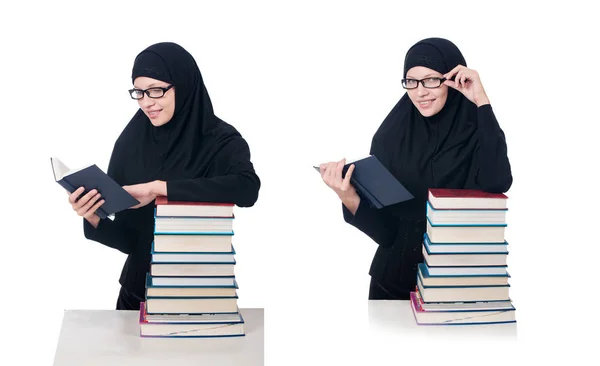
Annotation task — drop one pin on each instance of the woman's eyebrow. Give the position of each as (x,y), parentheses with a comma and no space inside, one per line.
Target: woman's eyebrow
(424,77)
(149,86)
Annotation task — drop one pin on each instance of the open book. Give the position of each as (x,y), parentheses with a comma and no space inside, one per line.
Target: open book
(91,177)
(375,183)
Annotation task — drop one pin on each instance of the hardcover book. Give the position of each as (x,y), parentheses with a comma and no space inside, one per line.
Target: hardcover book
(116,199)
(375,183)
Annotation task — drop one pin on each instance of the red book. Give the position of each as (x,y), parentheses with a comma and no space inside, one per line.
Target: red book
(441,198)
(164,207)
(163,200)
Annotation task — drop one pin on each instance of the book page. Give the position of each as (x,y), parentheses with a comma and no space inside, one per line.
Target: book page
(61,170)
(58,168)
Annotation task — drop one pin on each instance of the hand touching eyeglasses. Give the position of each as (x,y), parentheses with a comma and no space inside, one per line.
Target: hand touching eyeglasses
(467,82)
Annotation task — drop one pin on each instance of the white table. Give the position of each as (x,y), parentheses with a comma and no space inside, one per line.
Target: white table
(111,337)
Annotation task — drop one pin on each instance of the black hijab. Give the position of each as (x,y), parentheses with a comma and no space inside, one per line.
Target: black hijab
(185,146)
(429,152)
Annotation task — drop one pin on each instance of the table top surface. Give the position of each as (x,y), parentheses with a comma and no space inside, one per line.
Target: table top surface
(111,337)
(107,337)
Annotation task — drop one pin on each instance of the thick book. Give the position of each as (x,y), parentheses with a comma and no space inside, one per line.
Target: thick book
(191,305)
(472,233)
(192,269)
(463,259)
(465,216)
(193,225)
(458,280)
(116,199)
(190,286)
(190,325)
(164,207)
(466,199)
(449,294)
(192,257)
(375,183)
(190,242)
(461,313)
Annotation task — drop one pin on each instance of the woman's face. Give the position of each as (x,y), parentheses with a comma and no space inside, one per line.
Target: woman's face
(428,101)
(159,110)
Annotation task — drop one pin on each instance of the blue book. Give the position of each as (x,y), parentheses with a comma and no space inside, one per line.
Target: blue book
(190,325)
(115,198)
(192,257)
(375,183)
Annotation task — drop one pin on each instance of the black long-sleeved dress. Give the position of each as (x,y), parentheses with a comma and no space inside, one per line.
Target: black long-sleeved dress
(230,178)
(398,230)
(199,156)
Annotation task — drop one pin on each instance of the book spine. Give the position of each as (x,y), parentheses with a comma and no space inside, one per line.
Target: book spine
(101,213)
(66,185)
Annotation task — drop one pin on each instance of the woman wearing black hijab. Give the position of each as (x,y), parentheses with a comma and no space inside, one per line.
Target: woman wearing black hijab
(441,134)
(173,146)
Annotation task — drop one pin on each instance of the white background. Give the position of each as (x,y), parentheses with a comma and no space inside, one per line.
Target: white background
(304,82)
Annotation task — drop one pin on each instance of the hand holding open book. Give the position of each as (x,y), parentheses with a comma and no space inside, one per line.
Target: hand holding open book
(86,205)
(332,174)
(89,181)
(369,177)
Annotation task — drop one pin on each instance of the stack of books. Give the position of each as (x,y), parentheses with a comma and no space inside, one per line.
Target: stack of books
(191,289)
(464,278)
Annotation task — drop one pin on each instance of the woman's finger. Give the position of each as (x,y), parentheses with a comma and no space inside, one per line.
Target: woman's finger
(451,84)
(464,78)
(346,182)
(73,196)
(322,169)
(326,173)
(460,78)
(338,172)
(81,211)
(94,208)
(453,72)
(84,200)
(89,203)
(331,173)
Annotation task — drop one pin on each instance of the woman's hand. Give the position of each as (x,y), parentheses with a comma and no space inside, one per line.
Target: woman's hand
(144,192)
(87,205)
(331,173)
(467,82)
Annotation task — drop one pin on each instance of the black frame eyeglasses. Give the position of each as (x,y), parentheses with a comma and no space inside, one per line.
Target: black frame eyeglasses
(428,83)
(154,92)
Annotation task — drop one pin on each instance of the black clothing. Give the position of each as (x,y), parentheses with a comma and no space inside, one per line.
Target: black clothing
(199,156)
(462,146)
(128,300)
(437,54)
(377,291)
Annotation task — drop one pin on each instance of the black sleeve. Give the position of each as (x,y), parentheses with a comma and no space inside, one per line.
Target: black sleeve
(375,223)
(239,184)
(494,172)
(114,234)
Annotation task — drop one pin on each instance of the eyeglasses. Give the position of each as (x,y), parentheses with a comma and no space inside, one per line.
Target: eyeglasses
(154,93)
(429,83)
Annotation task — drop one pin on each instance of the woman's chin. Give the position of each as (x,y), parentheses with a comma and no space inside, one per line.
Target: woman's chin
(158,123)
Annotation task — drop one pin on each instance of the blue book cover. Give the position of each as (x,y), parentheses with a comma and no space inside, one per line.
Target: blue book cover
(153,251)
(375,183)
(115,198)
(463,225)
(201,282)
